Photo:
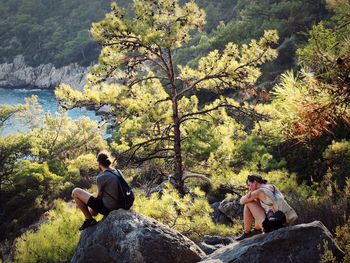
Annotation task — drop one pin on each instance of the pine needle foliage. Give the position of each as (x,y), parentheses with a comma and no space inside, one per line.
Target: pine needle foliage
(189,214)
(54,241)
(149,99)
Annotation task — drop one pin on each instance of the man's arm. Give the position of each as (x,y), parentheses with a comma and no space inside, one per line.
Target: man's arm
(98,194)
(100,184)
(251,196)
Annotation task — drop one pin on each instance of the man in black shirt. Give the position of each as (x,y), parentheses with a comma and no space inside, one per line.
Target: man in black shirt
(107,195)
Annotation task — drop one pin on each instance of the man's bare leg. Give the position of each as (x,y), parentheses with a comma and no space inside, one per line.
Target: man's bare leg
(81,198)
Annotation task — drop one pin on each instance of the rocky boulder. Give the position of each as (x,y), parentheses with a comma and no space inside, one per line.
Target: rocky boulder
(219,217)
(125,236)
(209,244)
(302,243)
(231,208)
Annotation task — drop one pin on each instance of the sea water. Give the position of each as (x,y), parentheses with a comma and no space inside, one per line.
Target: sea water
(46,99)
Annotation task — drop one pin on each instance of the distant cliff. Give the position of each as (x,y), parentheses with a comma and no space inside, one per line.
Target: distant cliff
(20,75)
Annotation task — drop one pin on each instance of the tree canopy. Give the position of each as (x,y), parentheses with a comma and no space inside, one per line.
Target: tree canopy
(152,98)
(173,117)
(58,31)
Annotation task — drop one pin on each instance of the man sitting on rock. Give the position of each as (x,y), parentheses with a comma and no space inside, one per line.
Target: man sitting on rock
(265,205)
(107,195)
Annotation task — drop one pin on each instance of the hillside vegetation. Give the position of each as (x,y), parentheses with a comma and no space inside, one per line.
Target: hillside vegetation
(167,133)
(58,31)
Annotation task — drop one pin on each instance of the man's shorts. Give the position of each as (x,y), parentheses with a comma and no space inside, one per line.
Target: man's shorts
(97,205)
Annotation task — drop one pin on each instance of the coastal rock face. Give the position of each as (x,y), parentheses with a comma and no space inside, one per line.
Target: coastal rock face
(19,75)
(125,236)
(296,244)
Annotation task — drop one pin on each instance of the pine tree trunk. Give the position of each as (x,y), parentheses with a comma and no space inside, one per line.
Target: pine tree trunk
(178,169)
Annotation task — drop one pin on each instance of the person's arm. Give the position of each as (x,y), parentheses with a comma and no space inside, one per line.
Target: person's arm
(100,184)
(251,196)
(98,194)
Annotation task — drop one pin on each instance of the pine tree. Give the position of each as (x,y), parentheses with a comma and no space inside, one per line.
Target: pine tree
(152,99)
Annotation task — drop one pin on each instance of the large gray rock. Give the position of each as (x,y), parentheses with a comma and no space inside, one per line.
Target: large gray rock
(231,208)
(219,217)
(20,75)
(125,236)
(209,244)
(296,244)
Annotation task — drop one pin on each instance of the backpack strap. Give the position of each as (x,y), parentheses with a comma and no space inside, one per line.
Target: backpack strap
(121,183)
(272,192)
(117,175)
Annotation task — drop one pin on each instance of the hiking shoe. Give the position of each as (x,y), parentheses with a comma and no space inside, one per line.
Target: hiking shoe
(250,234)
(255,232)
(243,236)
(87,223)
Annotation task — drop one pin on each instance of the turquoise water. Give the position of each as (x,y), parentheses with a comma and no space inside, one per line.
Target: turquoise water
(46,99)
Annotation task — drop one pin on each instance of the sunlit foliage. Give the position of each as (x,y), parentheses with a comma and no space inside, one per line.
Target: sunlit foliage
(151,101)
(305,110)
(54,240)
(290,18)
(338,159)
(189,214)
(343,239)
(39,165)
(60,138)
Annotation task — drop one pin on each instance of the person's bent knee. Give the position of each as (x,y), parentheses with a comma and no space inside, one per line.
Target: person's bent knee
(252,202)
(76,191)
(93,212)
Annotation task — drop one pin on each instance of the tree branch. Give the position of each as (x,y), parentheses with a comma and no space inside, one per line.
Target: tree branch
(194,118)
(180,94)
(151,141)
(190,174)
(138,43)
(141,160)
(144,79)
(166,99)
(219,75)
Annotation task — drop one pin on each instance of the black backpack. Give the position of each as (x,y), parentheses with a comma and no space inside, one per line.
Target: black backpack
(126,195)
(274,221)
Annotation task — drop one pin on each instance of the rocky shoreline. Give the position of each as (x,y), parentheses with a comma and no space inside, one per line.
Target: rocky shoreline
(19,75)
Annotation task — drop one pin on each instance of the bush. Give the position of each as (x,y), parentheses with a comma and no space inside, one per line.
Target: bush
(54,241)
(338,159)
(82,169)
(189,215)
(330,205)
(343,239)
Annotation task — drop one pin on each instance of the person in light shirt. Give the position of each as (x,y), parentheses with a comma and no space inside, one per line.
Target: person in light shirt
(265,205)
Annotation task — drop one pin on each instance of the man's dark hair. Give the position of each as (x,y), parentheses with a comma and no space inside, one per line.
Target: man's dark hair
(104,158)
(254,177)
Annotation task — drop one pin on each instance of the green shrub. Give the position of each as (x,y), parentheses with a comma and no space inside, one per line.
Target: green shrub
(83,167)
(327,255)
(189,215)
(338,159)
(343,239)
(55,240)
(329,198)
